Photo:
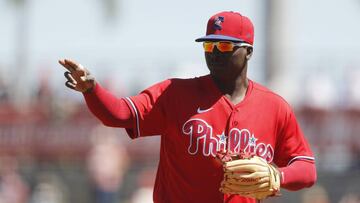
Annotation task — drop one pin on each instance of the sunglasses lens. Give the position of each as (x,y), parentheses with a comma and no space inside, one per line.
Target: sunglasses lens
(208,46)
(225,46)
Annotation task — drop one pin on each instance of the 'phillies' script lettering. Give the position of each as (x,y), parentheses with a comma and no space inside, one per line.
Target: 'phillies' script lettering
(201,138)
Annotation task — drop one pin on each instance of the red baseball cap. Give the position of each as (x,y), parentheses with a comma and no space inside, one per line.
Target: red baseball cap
(229,26)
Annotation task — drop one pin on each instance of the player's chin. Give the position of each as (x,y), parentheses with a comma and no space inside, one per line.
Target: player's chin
(219,71)
(217,66)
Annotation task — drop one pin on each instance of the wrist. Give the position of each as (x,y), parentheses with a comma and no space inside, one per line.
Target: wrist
(90,89)
(281,174)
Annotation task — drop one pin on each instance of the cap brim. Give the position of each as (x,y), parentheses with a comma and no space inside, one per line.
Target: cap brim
(217,38)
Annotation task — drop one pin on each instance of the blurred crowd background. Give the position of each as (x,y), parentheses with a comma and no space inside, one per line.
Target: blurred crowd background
(52,150)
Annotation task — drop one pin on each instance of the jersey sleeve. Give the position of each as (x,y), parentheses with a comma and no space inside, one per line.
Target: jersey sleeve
(149,111)
(291,143)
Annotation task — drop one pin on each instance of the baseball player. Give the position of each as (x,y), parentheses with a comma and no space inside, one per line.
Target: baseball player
(224,137)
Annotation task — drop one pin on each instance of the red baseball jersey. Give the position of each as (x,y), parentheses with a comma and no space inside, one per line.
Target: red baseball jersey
(195,121)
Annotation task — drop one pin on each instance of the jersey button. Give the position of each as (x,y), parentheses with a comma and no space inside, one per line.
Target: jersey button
(235,123)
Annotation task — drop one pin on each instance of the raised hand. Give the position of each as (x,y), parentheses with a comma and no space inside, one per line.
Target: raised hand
(78,77)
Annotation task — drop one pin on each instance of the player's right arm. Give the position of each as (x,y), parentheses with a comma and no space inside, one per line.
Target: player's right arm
(144,114)
(112,111)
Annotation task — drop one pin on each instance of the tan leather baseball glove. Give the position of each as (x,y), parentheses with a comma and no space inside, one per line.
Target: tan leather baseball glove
(249,176)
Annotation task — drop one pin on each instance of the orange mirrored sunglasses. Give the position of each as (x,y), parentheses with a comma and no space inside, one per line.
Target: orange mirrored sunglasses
(223,46)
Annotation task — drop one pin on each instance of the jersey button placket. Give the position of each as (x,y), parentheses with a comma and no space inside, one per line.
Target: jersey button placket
(234,122)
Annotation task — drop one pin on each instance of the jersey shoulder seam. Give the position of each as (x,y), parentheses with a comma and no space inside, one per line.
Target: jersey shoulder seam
(264,89)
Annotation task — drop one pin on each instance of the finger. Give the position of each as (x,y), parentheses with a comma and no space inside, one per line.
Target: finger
(84,78)
(74,65)
(84,73)
(81,67)
(255,175)
(245,188)
(90,78)
(247,176)
(70,85)
(244,166)
(230,192)
(87,78)
(241,181)
(69,77)
(244,162)
(67,66)
(246,169)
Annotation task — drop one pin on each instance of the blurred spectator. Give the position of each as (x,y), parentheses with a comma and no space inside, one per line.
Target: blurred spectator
(320,92)
(12,187)
(353,86)
(49,189)
(146,182)
(339,153)
(107,163)
(44,91)
(4,95)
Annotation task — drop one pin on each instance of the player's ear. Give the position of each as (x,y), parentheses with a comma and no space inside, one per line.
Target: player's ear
(249,52)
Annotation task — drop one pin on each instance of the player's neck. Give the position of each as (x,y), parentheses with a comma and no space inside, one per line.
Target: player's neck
(235,88)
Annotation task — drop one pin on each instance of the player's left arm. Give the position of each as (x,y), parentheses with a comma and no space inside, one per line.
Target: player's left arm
(293,155)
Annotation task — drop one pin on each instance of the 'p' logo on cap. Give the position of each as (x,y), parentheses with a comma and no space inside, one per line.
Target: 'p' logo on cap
(229,26)
(217,22)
